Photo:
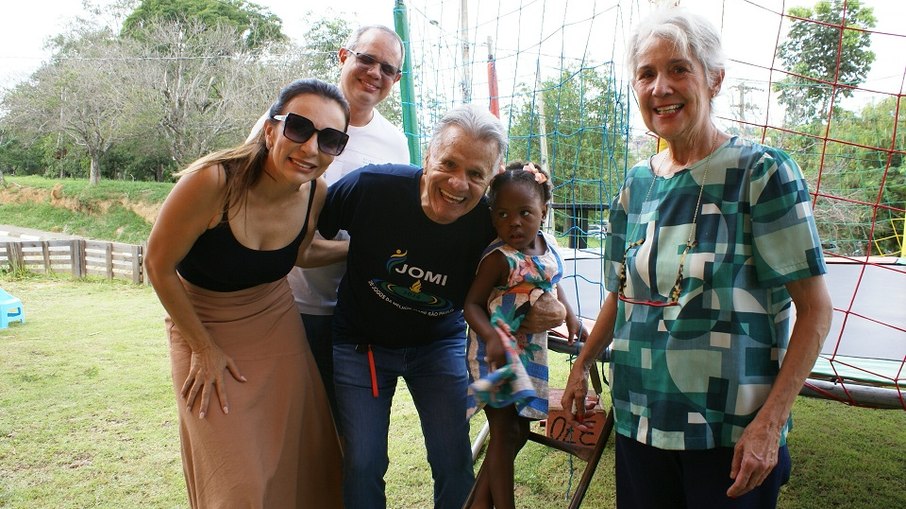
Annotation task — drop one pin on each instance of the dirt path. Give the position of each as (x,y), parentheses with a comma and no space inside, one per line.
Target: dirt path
(10,233)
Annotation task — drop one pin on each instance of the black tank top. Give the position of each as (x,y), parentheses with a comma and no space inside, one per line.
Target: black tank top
(217,261)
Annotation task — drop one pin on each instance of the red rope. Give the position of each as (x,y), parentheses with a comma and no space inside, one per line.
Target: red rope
(373,369)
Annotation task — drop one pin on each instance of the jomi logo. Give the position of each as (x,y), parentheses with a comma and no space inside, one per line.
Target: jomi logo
(413,293)
(397,263)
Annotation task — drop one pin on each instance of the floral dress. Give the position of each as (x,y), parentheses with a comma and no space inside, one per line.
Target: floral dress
(523,383)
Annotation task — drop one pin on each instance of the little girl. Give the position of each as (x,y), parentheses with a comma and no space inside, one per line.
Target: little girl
(518,275)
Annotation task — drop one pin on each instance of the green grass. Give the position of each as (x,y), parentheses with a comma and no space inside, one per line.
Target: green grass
(117,224)
(846,457)
(88,419)
(102,212)
(86,412)
(136,191)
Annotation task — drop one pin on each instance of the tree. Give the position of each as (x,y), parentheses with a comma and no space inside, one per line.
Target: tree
(201,90)
(143,102)
(17,156)
(869,176)
(323,40)
(811,53)
(860,180)
(140,158)
(210,70)
(255,25)
(585,129)
(185,90)
(83,93)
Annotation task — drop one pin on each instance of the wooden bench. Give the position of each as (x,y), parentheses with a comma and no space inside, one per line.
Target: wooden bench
(586,445)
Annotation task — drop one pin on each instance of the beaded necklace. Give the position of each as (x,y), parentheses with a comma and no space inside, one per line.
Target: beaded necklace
(690,243)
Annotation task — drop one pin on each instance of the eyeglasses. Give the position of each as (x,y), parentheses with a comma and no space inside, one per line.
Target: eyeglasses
(677,286)
(300,129)
(690,243)
(367,61)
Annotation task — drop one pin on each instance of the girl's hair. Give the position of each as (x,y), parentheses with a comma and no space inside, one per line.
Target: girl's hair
(244,165)
(516,172)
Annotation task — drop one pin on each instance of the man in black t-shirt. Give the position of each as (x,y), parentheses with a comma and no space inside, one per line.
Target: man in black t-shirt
(416,239)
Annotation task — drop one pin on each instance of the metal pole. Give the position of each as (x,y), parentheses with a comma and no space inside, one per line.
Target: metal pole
(407,89)
(545,158)
(494,103)
(466,59)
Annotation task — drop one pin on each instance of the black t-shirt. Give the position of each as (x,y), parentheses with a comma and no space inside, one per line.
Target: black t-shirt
(407,276)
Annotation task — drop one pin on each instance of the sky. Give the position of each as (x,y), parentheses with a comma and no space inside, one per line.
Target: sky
(25,26)
(749,29)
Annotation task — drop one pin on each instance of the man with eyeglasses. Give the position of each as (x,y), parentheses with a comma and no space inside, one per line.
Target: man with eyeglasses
(370,66)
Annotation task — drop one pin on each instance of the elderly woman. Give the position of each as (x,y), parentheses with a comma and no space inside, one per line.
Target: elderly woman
(713,240)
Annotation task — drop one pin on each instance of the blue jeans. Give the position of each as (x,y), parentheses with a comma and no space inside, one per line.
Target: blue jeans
(319,331)
(437,379)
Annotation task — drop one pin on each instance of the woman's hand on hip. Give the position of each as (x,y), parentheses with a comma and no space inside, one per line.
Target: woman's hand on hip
(206,376)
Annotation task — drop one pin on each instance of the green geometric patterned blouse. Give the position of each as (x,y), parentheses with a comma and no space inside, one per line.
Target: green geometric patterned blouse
(691,367)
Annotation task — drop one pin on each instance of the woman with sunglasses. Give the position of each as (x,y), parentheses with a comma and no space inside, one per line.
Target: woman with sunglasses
(255,426)
(712,240)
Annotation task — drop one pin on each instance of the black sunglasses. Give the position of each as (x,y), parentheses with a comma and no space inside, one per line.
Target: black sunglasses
(367,61)
(299,129)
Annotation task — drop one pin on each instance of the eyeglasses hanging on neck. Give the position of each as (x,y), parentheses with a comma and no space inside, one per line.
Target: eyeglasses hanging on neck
(677,289)
(675,292)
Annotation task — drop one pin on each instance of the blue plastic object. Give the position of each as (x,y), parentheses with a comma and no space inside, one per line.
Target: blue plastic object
(11,309)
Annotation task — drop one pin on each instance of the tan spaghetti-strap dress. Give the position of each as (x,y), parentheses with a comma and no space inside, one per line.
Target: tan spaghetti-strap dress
(278,447)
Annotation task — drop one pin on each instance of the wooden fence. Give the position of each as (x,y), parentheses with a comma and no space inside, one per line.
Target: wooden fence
(78,256)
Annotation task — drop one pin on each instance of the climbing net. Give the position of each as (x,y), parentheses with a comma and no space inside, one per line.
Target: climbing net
(554,72)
